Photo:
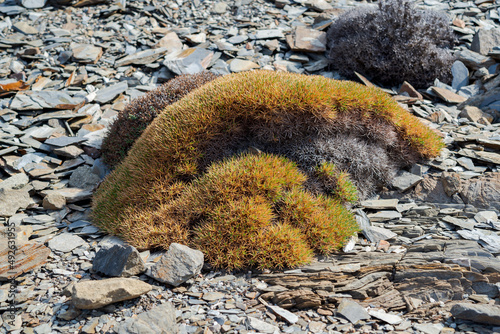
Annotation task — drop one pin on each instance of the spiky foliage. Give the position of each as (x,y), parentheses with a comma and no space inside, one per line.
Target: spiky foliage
(337,182)
(393,43)
(138,114)
(279,113)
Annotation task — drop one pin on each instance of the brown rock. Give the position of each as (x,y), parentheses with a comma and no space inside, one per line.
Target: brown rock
(28,256)
(475,114)
(54,202)
(448,95)
(451,183)
(412,92)
(90,295)
(299,299)
(306,39)
(170,41)
(483,192)
(87,54)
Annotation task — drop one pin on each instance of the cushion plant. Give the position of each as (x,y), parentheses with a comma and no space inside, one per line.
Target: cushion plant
(191,176)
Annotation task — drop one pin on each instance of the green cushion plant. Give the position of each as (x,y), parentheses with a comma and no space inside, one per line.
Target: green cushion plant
(190,177)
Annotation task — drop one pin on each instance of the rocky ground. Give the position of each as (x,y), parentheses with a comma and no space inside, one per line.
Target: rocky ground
(427,260)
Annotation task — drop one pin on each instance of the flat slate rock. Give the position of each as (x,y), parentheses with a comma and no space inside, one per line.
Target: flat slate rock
(160,319)
(66,242)
(29,100)
(486,314)
(28,256)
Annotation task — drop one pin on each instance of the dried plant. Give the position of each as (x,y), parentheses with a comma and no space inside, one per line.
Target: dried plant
(393,43)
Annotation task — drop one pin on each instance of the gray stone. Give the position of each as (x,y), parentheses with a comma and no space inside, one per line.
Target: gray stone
(84,178)
(177,265)
(29,100)
(220,8)
(212,296)
(391,319)
(484,40)
(86,53)
(485,216)
(25,28)
(108,94)
(474,60)
(119,260)
(384,215)
(189,61)
(268,34)
(486,314)
(261,326)
(380,204)
(405,181)
(380,233)
(64,141)
(15,182)
(90,295)
(33,3)
(352,311)
(54,202)
(70,151)
(285,314)
(143,57)
(460,75)
(13,200)
(474,114)
(65,242)
(71,194)
(428,328)
(171,42)
(158,320)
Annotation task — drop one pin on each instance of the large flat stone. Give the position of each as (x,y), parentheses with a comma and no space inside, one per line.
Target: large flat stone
(29,100)
(142,57)
(486,314)
(13,200)
(28,256)
(158,320)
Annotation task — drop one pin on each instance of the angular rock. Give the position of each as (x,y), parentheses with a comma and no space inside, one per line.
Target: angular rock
(486,314)
(71,194)
(13,200)
(239,65)
(261,326)
(474,60)
(31,4)
(15,182)
(70,151)
(299,299)
(108,94)
(25,28)
(91,295)
(485,40)
(391,319)
(86,53)
(170,42)
(404,181)
(189,61)
(380,204)
(306,39)
(490,157)
(428,328)
(64,141)
(460,75)
(54,202)
(474,114)
(384,216)
(160,319)
(28,100)
(28,256)
(486,216)
(352,311)
(268,34)
(119,260)
(84,178)
(65,242)
(177,265)
(410,90)
(448,95)
(142,57)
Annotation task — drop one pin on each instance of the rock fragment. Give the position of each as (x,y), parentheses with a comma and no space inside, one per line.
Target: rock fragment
(119,260)
(65,242)
(160,319)
(91,295)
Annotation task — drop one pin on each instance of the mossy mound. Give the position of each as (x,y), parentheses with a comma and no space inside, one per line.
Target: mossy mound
(302,118)
(140,112)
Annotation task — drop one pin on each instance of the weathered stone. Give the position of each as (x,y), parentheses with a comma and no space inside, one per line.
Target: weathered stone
(86,53)
(410,90)
(484,40)
(300,299)
(380,204)
(474,60)
(220,8)
(391,319)
(490,157)
(25,28)
(306,39)
(65,242)
(177,265)
(212,296)
(460,75)
(352,311)
(189,61)
(84,178)
(486,314)
(451,183)
(448,95)
(239,65)
(90,295)
(28,256)
(119,260)
(160,319)
(70,151)
(54,202)
(108,94)
(405,181)
(15,182)
(29,100)
(261,326)
(486,216)
(170,42)
(384,216)
(428,328)
(13,200)
(142,57)
(474,114)
(268,34)
(33,3)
